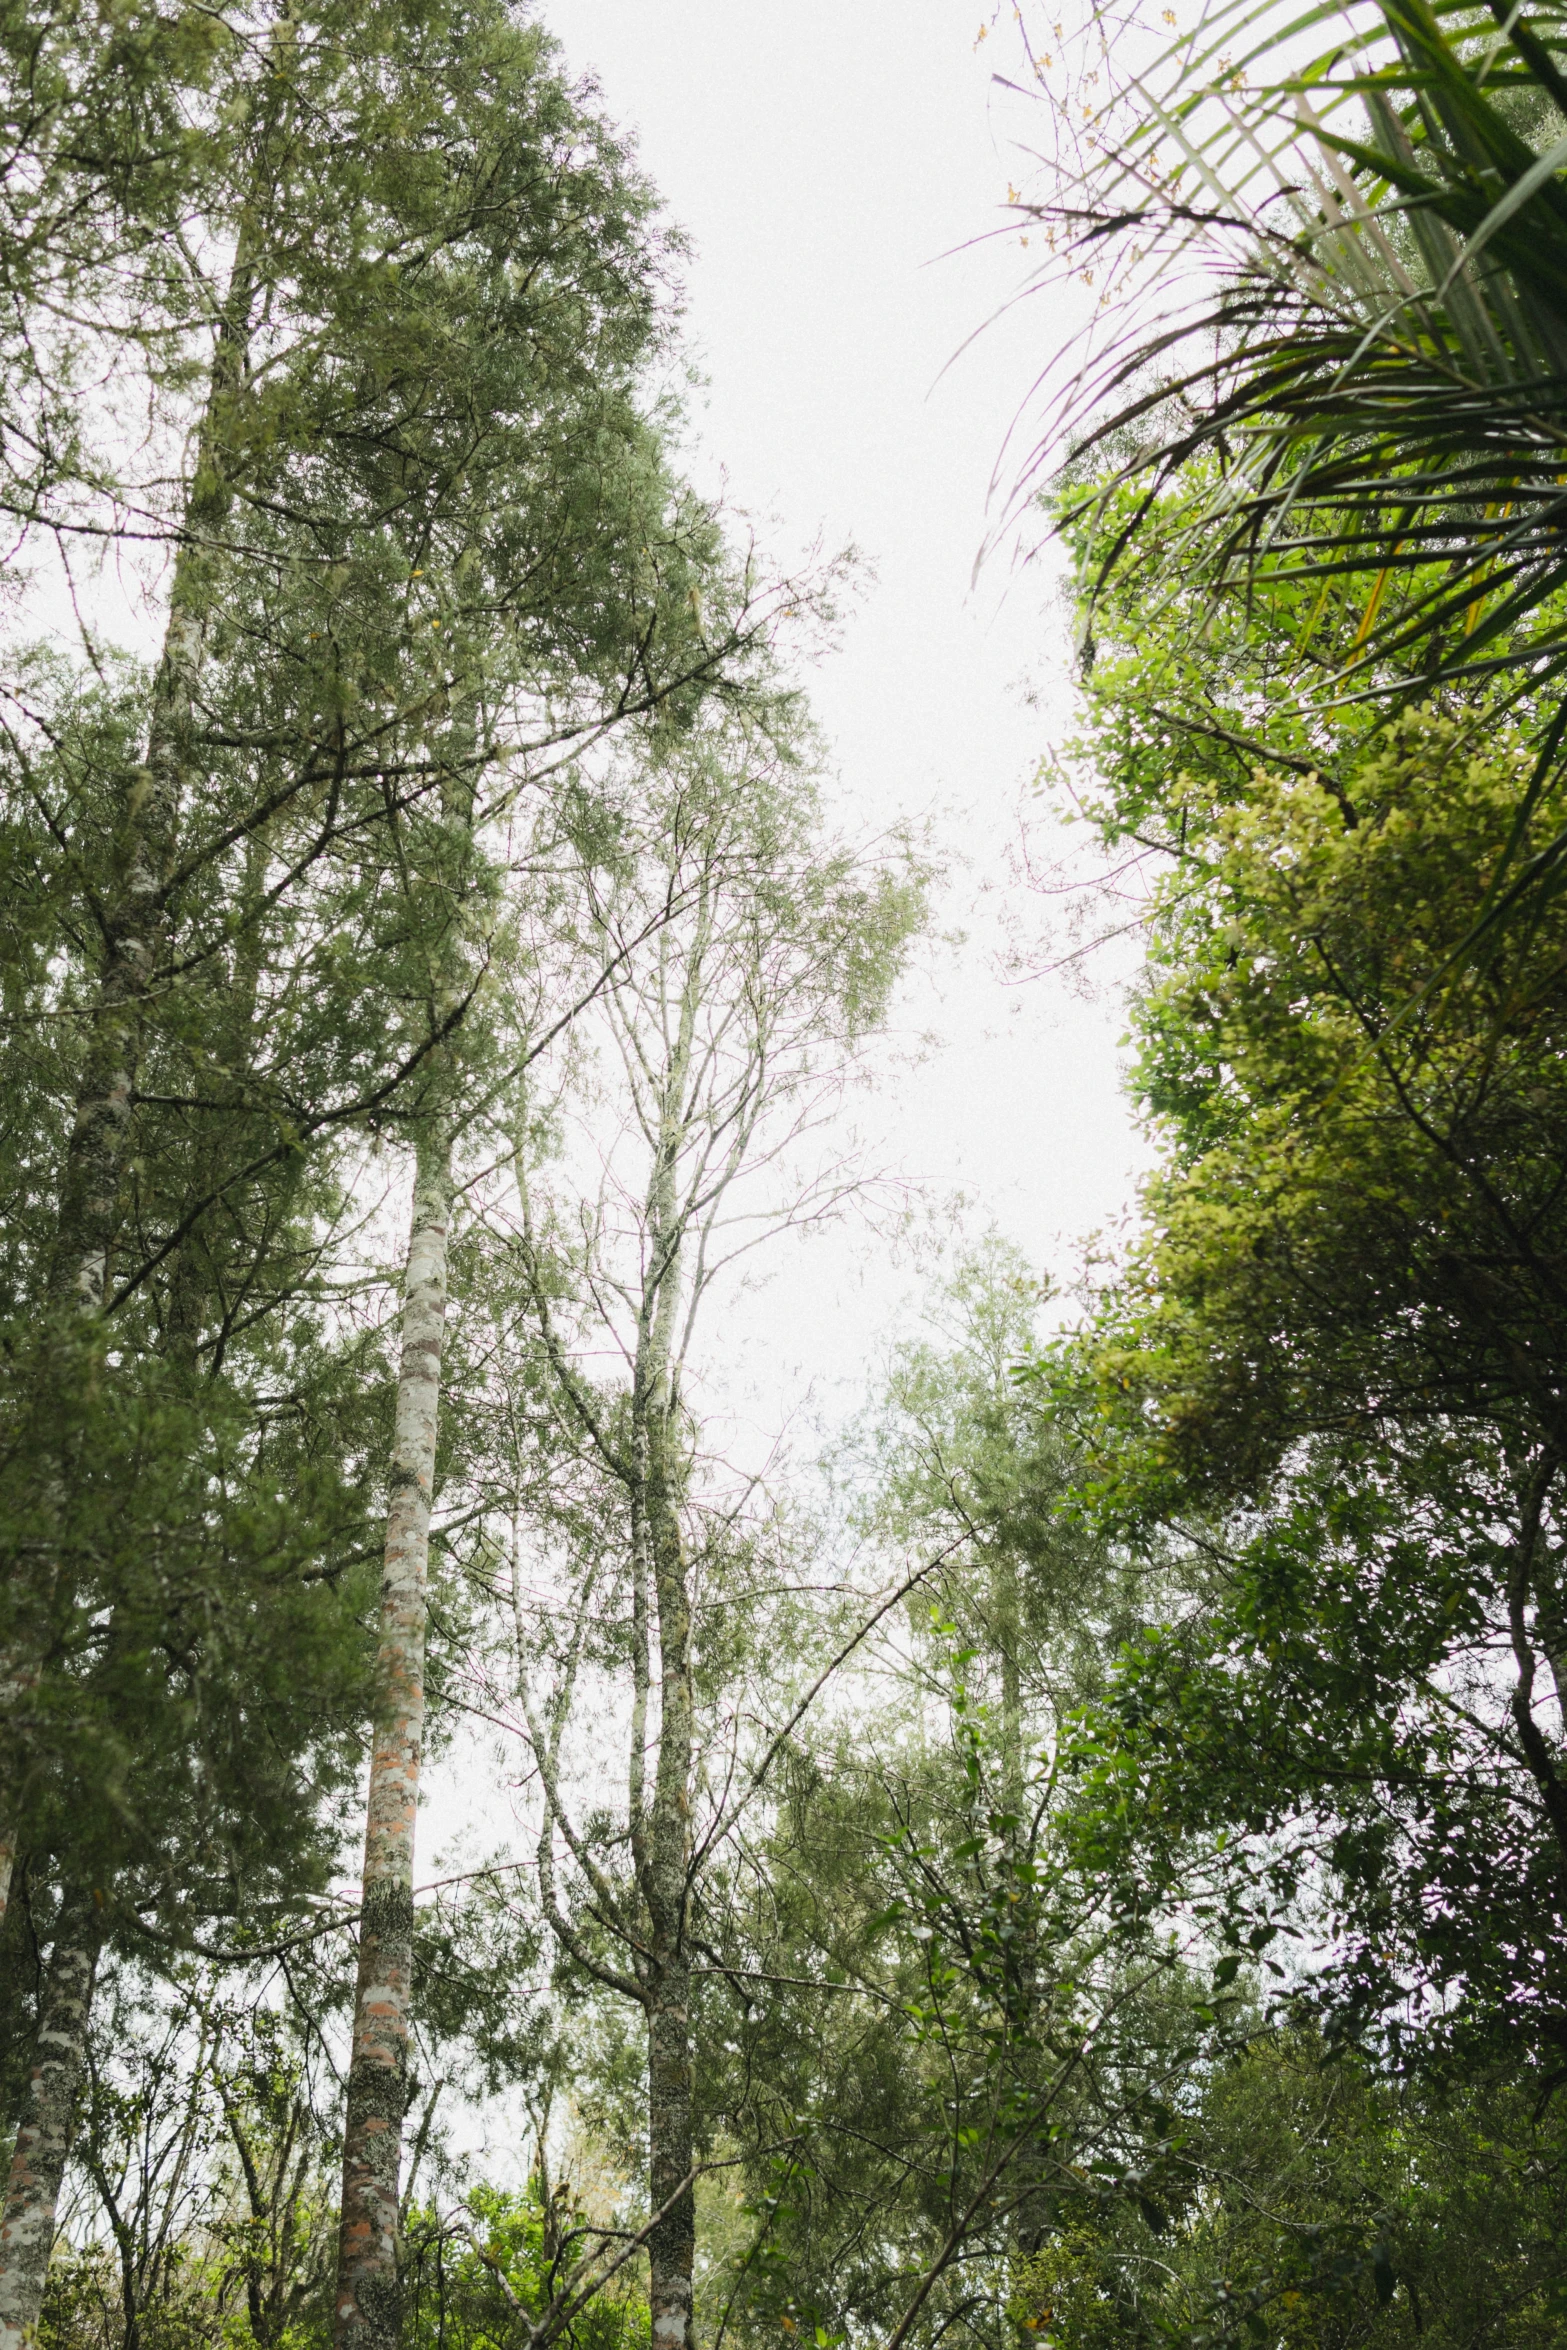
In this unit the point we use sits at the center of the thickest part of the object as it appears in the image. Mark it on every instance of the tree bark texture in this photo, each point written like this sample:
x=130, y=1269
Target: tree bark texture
x=672, y=2245
x=44, y=2139
x=655, y=1518
x=366, y=2308
x=18, y=1680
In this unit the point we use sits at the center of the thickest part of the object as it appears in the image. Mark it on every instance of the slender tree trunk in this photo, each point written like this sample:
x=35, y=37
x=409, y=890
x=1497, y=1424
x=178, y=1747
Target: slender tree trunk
x=655, y=1517
x=672, y=2245
x=44, y=2138
x=367, y=2298
x=1008, y=1632
x=641, y=1670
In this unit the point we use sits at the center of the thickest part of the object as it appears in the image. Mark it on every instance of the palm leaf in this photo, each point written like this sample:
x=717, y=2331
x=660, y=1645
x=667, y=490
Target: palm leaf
x=1349, y=285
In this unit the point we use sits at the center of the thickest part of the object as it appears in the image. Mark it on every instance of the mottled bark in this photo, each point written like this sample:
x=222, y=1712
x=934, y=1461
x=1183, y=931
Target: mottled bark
x=366, y=2307
x=672, y=2244
x=43, y=2140
x=18, y=1680
x=641, y=1655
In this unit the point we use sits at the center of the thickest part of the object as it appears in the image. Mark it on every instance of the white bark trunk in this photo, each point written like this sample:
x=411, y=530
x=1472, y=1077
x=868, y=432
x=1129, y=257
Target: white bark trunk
x=44, y=2139
x=366, y=2306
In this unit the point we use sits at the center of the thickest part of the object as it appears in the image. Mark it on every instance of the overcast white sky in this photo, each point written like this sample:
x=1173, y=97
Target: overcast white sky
x=823, y=158
x=831, y=160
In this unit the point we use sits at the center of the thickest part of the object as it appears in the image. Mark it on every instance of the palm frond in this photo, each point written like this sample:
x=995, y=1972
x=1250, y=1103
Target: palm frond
x=1333, y=242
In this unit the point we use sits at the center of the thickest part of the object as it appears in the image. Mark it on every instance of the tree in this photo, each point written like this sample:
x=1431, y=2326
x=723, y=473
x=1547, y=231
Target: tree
x=1313, y=2201
x=423, y=528
x=750, y=960
x=959, y=1460
x=937, y=2022
x=404, y=346
x=1334, y=270
x=1329, y=1360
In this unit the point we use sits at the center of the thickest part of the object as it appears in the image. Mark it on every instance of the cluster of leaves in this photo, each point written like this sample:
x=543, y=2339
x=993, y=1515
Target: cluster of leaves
x=1311, y=2202
x=481, y=2275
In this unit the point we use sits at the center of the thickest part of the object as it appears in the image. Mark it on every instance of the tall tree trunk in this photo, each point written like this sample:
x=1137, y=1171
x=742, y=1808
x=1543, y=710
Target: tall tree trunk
x=44, y=2138
x=18, y=1687
x=672, y=2245
x=94, y=1159
x=134, y=929
x=366, y=2307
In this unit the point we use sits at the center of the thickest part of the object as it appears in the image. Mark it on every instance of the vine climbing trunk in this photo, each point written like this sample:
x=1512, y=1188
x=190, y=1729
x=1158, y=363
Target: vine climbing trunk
x=367, y=2301
x=43, y=2140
